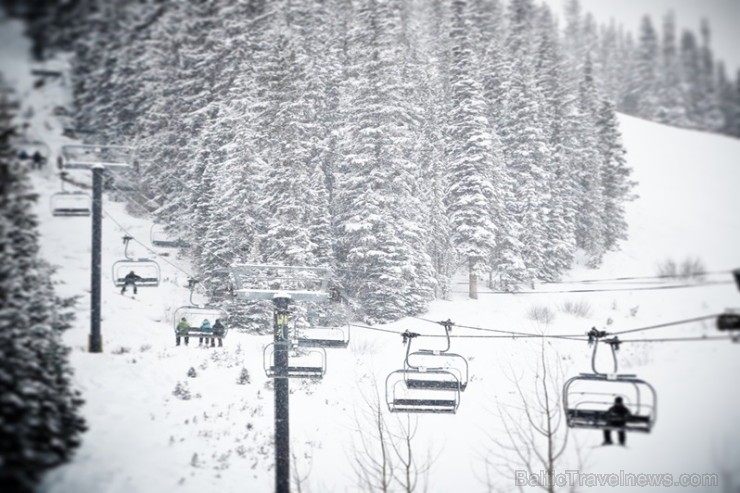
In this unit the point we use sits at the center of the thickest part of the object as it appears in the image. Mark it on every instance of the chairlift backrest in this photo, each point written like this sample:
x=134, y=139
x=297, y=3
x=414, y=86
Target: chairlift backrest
x=266, y=281
x=87, y=156
x=322, y=336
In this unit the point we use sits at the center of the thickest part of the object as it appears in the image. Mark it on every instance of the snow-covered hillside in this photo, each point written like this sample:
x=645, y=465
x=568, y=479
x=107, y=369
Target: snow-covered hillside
x=143, y=438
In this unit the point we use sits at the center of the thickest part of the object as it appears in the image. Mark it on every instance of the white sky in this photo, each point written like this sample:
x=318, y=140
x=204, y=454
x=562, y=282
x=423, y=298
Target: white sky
x=723, y=15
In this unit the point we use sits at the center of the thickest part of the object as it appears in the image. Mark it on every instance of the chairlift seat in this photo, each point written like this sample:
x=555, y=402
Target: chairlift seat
x=728, y=321
x=431, y=406
x=602, y=420
x=434, y=384
x=144, y=281
x=327, y=343
x=298, y=372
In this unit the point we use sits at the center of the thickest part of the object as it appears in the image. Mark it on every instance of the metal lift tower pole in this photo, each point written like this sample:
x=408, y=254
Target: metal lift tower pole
x=96, y=341
x=282, y=396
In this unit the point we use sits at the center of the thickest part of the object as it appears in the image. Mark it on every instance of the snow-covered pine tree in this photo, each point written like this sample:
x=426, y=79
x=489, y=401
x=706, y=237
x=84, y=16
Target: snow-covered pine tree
x=380, y=246
x=646, y=80
x=672, y=103
x=526, y=146
x=40, y=425
x=471, y=197
x=559, y=223
x=615, y=176
x=590, y=211
x=692, y=77
x=709, y=109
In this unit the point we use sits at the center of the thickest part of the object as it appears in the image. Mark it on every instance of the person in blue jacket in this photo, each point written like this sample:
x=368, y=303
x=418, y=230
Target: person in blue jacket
x=205, y=327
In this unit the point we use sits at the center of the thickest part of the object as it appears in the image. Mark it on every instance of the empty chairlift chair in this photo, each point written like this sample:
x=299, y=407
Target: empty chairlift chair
x=323, y=336
x=588, y=397
x=86, y=156
x=302, y=362
x=160, y=238
x=147, y=269
x=430, y=382
x=70, y=203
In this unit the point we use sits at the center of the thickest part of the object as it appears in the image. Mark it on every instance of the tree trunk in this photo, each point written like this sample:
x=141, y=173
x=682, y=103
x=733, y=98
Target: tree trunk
x=473, y=282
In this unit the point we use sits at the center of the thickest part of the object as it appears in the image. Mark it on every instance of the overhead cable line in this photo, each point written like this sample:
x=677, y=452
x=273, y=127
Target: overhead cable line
x=666, y=324
x=499, y=331
x=650, y=288
x=639, y=278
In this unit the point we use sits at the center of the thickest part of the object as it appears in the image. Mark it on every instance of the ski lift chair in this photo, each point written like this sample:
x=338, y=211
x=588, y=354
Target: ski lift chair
x=30, y=147
x=195, y=315
x=401, y=398
x=587, y=399
x=87, y=156
x=145, y=268
x=159, y=238
x=588, y=396
x=71, y=204
x=74, y=203
x=302, y=363
x=322, y=336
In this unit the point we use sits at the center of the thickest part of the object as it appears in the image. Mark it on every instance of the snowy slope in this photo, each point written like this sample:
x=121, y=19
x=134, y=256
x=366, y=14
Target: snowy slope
x=144, y=439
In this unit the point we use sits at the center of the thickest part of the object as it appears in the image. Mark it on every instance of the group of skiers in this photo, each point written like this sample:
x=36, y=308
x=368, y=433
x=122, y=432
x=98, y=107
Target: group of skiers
x=217, y=330
x=37, y=159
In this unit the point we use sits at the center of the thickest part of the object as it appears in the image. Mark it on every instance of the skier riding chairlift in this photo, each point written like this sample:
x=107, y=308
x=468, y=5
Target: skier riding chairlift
x=130, y=279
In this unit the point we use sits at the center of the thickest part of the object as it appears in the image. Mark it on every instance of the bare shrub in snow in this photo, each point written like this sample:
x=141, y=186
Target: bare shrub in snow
x=668, y=268
x=690, y=268
x=192, y=373
x=580, y=308
x=541, y=314
x=121, y=350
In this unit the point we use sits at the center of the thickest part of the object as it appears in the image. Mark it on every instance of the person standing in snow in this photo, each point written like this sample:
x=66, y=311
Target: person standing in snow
x=130, y=280
x=617, y=417
x=182, y=330
x=205, y=327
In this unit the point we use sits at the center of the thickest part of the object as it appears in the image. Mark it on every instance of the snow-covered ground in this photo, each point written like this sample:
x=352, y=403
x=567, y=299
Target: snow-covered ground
x=143, y=438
